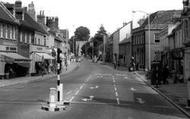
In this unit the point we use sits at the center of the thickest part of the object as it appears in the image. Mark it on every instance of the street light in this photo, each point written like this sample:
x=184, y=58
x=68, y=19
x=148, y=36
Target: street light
x=149, y=43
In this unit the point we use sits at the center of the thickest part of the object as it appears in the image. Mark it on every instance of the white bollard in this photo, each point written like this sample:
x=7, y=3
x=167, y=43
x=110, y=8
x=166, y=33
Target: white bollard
x=52, y=97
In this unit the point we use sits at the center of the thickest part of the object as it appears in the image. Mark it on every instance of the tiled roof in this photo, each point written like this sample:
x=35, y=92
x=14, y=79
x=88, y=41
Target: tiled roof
x=161, y=18
x=5, y=15
x=29, y=22
x=126, y=40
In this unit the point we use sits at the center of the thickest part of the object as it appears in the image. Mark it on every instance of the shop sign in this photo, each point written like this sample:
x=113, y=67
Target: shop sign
x=8, y=48
x=38, y=49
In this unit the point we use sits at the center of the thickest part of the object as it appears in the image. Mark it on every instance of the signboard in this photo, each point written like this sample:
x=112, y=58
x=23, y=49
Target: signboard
x=35, y=48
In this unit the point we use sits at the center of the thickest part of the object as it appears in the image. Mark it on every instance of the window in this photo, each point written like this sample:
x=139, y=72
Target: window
x=11, y=35
x=156, y=38
x=44, y=40
x=30, y=39
x=35, y=40
x=39, y=41
x=25, y=41
x=1, y=31
x=23, y=37
x=6, y=31
x=20, y=36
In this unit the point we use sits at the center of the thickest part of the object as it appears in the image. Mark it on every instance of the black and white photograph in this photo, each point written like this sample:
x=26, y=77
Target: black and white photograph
x=94, y=59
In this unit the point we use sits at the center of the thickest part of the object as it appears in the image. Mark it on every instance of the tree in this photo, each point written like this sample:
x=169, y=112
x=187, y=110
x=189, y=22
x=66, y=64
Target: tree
x=72, y=44
x=98, y=39
x=82, y=33
x=86, y=48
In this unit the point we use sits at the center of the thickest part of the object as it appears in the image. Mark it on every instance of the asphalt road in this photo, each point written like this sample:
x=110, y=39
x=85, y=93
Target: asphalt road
x=96, y=92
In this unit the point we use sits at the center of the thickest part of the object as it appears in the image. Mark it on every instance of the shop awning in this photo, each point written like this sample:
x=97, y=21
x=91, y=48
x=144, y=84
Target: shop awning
x=45, y=55
x=14, y=57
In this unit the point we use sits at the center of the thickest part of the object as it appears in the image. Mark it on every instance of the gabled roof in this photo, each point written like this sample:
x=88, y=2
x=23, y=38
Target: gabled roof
x=160, y=19
x=5, y=15
x=30, y=23
x=126, y=40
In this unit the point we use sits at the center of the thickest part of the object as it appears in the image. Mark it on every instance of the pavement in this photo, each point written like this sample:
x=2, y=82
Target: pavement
x=27, y=79
x=176, y=93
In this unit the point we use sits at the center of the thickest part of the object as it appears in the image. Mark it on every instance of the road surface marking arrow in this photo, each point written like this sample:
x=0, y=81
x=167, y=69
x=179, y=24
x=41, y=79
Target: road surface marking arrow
x=133, y=89
x=85, y=99
x=118, y=101
x=140, y=100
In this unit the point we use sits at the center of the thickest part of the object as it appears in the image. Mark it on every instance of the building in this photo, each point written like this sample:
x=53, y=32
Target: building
x=125, y=52
x=31, y=10
x=11, y=62
x=186, y=39
x=140, y=37
x=32, y=38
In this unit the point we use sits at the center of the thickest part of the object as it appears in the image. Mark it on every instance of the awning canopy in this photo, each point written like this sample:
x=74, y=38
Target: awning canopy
x=14, y=57
x=45, y=55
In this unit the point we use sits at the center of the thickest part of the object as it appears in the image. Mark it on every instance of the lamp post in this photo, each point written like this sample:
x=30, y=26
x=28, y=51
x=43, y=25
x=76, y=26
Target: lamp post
x=149, y=43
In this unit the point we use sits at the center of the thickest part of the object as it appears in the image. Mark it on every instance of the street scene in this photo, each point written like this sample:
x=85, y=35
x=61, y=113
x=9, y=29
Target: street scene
x=87, y=64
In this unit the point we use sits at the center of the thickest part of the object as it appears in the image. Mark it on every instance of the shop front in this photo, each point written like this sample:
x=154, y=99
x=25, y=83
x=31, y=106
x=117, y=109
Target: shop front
x=10, y=62
x=177, y=56
x=41, y=60
x=187, y=63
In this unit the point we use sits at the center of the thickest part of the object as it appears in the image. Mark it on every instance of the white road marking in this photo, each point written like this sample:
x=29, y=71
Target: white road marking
x=133, y=89
x=91, y=97
x=97, y=87
x=81, y=87
x=118, y=101
x=116, y=94
x=115, y=88
x=140, y=100
x=126, y=77
x=77, y=92
x=85, y=99
x=71, y=99
x=69, y=92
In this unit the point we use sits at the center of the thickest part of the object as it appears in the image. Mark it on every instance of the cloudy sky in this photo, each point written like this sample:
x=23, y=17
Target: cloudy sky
x=93, y=13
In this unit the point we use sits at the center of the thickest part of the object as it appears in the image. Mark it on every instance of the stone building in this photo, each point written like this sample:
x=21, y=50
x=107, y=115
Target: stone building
x=140, y=37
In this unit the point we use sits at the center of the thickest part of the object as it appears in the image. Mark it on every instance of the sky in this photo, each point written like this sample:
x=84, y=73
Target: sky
x=94, y=13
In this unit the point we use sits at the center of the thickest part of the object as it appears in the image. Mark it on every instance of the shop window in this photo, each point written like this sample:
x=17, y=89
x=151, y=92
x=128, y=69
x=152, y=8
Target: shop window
x=11, y=32
x=1, y=31
x=20, y=36
x=6, y=32
x=156, y=38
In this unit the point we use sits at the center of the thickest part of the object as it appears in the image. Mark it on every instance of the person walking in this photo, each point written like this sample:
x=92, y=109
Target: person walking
x=165, y=75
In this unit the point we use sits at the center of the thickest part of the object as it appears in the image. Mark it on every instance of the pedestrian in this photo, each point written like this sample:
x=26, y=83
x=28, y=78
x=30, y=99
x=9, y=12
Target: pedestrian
x=165, y=74
x=66, y=63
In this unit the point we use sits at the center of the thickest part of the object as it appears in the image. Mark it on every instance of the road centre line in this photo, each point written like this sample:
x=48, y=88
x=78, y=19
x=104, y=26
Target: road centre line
x=118, y=102
x=116, y=94
x=77, y=92
x=71, y=99
x=115, y=88
x=69, y=92
x=81, y=87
